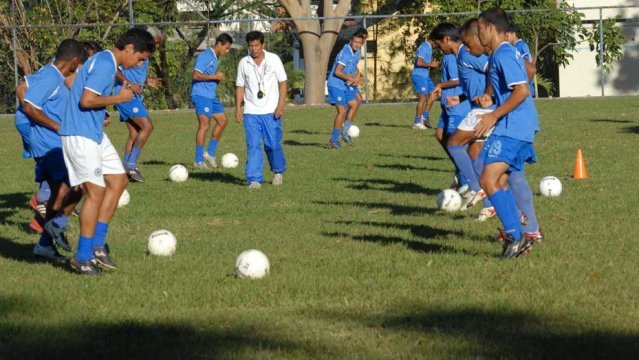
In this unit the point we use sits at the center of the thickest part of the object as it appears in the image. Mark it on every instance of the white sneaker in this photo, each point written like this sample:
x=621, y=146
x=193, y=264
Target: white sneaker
x=419, y=126
x=254, y=185
x=486, y=213
x=472, y=198
x=48, y=252
x=210, y=159
x=278, y=179
x=200, y=165
x=462, y=189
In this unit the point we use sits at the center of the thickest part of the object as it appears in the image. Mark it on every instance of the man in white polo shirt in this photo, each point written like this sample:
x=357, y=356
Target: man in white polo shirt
x=261, y=84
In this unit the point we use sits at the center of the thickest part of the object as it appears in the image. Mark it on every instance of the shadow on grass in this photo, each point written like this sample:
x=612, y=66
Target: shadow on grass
x=386, y=125
x=303, y=132
x=155, y=162
x=418, y=157
x=17, y=252
x=423, y=231
x=393, y=208
x=217, y=177
x=632, y=129
x=14, y=200
x=299, y=143
x=8, y=205
x=409, y=167
x=614, y=121
x=388, y=185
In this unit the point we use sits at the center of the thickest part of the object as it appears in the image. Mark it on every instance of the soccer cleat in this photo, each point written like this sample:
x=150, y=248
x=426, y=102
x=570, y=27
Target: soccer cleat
x=334, y=144
x=36, y=224
x=455, y=183
x=463, y=189
x=419, y=126
x=535, y=236
x=472, y=198
x=427, y=123
x=347, y=139
x=86, y=268
x=523, y=219
x=38, y=207
x=210, y=160
x=254, y=185
x=58, y=234
x=101, y=255
x=278, y=179
x=200, y=165
x=486, y=213
x=134, y=174
x=512, y=248
x=48, y=252
x=75, y=212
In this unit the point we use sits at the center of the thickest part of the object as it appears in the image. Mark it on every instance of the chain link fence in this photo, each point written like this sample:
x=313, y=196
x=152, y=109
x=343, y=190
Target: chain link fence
x=564, y=69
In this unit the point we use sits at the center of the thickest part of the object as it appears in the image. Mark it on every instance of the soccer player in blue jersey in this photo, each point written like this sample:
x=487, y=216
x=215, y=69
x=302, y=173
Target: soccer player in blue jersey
x=515, y=123
x=91, y=160
x=342, y=77
x=422, y=84
x=134, y=113
x=524, y=50
x=44, y=105
x=204, y=98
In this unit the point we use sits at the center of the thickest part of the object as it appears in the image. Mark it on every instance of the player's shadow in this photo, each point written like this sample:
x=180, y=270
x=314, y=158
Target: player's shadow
x=217, y=176
x=612, y=121
x=423, y=231
x=14, y=200
x=303, y=132
x=388, y=185
x=8, y=205
x=155, y=162
x=394, y=209
x=632, y=129
x=417, y=157
x=377, y=124
x=408, y=167
x=16, y=251
x=303, y=144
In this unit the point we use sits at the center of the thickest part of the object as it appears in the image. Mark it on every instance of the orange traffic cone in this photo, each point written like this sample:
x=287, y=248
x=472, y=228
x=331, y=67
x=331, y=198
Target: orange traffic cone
x=580, y=167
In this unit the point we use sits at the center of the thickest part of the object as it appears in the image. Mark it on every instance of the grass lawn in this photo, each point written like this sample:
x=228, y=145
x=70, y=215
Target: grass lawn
x=363, y=266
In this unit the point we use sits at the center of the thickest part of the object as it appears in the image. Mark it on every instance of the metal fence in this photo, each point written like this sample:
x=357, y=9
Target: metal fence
x=386, y=62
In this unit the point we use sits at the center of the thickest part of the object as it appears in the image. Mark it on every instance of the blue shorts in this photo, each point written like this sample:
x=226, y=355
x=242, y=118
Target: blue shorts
x=51, y=167
x=131, y=109
x=515, y=153
x=422, y=84
x=449, y=122
x=207, y=106
x=25, y=133
x=354, y=89
x=340, y=96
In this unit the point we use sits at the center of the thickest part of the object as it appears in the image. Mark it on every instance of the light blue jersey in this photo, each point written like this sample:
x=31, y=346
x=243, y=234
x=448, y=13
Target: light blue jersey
x=507, y=69
x=349, y=59
x=206, y=63
x=48, y=93
x=449, y=73
x=524, y=50
x=98, y=76
x=135, y=75
x=472, y=73
x=424, y=51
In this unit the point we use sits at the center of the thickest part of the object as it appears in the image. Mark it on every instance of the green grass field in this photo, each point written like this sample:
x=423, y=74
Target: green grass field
x=363, y=266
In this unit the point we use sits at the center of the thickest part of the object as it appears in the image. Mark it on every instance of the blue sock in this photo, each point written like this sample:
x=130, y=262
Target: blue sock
x=132, y=161
x=335, y=136
x=199, y=153
x=418, y=119
x=100, y=234
x=478, y=165
x=212, y=147
x=126, y=157
x=45, y=239
x=61, y=221
x=85, y=249
x=347, y=125
x=524, y=198
x=465, y=165
x=462, y=178
x=504, y=204
x=44, y=193
x=425, y=115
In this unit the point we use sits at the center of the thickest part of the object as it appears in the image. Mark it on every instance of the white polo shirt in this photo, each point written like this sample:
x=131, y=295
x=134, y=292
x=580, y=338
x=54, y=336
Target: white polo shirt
x=265, y=77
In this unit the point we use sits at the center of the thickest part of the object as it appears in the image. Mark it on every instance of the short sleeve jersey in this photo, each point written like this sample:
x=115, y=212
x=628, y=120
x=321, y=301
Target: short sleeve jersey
x=21, y=118
x=506, y=69
x=265, y=77
x=523, y=49
x=48, y=93
x=424, y=51
x=349, y=59
x=472, y=73
x=206, y=63
x=449, y=73
x=135, y=75
x=98, y=76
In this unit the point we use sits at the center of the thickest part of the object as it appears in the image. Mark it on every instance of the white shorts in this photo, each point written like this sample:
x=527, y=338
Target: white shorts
x=471, y=120
x=88, y=161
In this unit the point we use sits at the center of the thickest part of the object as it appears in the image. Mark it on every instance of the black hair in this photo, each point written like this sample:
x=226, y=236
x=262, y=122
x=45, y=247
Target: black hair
x=445, y=29
x=361, y=33
x=141, y=40
x=255, y=35
x=224, y=39
x=512, y=29
x=70, y=48
x=470, y=27
x=92, y=45
x=497, y=17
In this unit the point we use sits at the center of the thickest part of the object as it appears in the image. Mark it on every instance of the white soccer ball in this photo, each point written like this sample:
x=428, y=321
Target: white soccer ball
x=353, y=131
x=125, y=198
x=178, y=173
x=230, y=160
x=161, y=243
x=252, y=264
x=550, y=186
x=449, y=200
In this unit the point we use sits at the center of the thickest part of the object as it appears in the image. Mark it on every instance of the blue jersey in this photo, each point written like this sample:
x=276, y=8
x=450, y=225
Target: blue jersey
x=524, y=51
x=424, y=51
x=349, y=59
x=98, y=76
x=206, y=63
x=449, y=73
x=48, y=93
x=135, y=75
x=506, y=70
x=472, y=73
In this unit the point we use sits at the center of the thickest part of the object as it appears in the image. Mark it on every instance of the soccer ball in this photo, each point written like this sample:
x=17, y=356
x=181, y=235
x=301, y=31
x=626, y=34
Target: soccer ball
x=178, y=173
x=449, y=200
x=161, y=243
x=230, y=160
x=125, y=198
x=353, y=131
x=252, y=264
x=550, y=186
